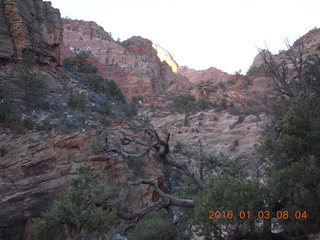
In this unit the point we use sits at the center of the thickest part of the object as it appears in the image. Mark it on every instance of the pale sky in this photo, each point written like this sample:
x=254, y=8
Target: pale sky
x=202, y=33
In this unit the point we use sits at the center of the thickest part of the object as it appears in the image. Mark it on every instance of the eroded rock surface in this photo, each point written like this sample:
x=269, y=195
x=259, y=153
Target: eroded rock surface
x=30, y=25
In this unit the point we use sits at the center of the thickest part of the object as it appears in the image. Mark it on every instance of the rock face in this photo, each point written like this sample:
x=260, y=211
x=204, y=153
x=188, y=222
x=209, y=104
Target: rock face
x=164, y=55
x=133, y=63
x=30, y=25
x=211, y=74
x=35, y=168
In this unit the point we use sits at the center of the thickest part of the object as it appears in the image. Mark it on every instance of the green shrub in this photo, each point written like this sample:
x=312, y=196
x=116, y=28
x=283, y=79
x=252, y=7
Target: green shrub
x=235, y=111
x=232, y=81
x=226, y=193
x=114, y=92
x=3, y=151
x=293, y=158
x=222, y=85
x=186, y=121
x=33, y=85
x=105, y=121
x=79, y=63
x=29, y=123
x=248, y=81
x=84, y=210
x=78, y=100
x=235, y=144
x=9, y=110
x=44, y=125
x=136, y=165
x=223, y=105
x=95, y=83
x=98, y=146
x=183, y=103
x=155, y=225
x=203, y=104
x=36, y=90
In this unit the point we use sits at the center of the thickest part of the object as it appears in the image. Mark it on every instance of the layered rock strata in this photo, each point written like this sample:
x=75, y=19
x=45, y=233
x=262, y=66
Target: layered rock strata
x=30, y=25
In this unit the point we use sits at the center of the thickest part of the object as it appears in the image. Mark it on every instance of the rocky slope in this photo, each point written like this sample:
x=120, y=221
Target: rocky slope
x=30, y=25
x=133, y=64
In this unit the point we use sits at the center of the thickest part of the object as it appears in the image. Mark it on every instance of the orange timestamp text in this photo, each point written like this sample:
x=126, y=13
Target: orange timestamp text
x=216, y=215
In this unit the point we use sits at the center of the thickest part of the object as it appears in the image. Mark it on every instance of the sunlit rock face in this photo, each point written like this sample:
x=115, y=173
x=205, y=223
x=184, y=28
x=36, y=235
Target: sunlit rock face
x=30, y=25
x=164, y=55
x=134, y=64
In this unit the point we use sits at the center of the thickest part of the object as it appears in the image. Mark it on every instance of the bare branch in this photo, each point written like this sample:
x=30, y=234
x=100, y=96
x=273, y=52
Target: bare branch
x=126, y=155
x=174, y=201
x=183, y=166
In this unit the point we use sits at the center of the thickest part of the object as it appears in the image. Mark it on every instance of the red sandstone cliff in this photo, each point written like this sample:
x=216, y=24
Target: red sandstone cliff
x=133, y=63
x=30, y=25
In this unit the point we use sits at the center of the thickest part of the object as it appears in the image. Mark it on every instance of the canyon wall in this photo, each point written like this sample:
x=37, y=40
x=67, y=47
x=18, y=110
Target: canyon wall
x=30, y=25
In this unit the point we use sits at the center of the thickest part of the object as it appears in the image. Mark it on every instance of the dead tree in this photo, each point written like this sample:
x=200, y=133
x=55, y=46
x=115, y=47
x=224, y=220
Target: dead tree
x=153, y=142
x=292, y=70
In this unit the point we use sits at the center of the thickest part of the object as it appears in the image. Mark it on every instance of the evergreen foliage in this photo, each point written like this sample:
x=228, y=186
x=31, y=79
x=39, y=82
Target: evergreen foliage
x=114, y=92
x=294, y=164
x=78, y=100
x=155, y=226
x=187, y=103
x=34, y=85
x=84, y=211
x=79, y=63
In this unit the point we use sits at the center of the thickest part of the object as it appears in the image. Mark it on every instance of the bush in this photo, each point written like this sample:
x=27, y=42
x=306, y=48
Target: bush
x=227, y=193
x=203, y=104
x=3, y=151
x=232, y=81
x=36, y=90
x=136, y=165
x=223, y=105
x=9, y=110
x=186, y=121
x=78, y=100
x=98, y=146
x=248, y=81
x=114, y=92
x=183, y=103
x=235, y=111
x=45, y=125
x=79, y=63
x=155, y=225
x=235, y=144
x=293, y=158
x=95, y=83
x=83, y=211
x=222, y=85
x=28, y=123
x=35, y=86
